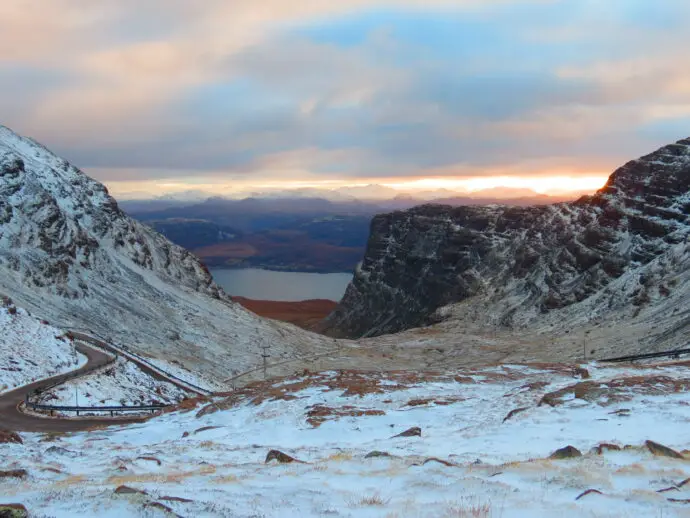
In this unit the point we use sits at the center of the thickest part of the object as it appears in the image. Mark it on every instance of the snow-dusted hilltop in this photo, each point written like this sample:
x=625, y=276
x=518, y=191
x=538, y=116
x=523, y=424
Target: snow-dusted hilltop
x=69, y=254
x=623, y=250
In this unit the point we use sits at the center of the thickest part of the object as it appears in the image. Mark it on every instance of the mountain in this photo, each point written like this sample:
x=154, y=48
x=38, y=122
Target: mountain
x=283, y=232
x=621, y=255
x=69, y=254
x=368, y=192
x=504, y=193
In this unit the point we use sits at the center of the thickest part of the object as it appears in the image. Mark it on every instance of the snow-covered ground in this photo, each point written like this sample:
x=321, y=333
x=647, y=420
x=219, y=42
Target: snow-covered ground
x=198, y=379
x=122, y=384
x=213, y=465
x=30, y=350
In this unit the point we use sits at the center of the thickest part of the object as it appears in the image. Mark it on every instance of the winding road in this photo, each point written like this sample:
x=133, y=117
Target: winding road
x=11, y=418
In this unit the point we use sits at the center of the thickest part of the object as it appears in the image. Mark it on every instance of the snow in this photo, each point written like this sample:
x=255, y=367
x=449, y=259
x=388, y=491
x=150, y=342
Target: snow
x=123, y=384
x=197, y=379
x=31, y=351
x=498, y=467
x=70, y=255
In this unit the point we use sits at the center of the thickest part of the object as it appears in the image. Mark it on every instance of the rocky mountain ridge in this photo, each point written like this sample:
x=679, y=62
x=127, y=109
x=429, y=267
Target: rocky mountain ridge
x=522, y=264
x=69, y=254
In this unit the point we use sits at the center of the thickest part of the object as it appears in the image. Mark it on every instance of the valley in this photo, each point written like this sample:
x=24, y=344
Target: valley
x=468, y=352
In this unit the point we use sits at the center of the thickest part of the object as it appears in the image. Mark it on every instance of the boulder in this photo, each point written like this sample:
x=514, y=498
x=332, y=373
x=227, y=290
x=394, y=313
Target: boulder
x=13, y=511
x=282, y=458
x=415, y=431
x=376, y=453
x=588, y=492
x=569, y=452
x=126, y=490
x=515, y=412
x=662, y=451
x=14, y=473
x=605, y=446
x=8, y=437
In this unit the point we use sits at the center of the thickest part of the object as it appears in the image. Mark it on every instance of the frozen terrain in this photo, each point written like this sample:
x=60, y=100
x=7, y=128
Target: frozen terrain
x=31, y=350
x=122, y=384
x=70, y=255
x=468, y=462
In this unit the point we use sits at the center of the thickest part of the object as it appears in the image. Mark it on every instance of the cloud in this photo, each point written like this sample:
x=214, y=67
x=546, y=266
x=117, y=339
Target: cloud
x=366, y=88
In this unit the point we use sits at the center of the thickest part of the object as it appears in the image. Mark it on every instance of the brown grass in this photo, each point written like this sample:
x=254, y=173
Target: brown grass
x=226, y=250
x=373, y=500
x=306, y=313
x=617, y=390
x=468, y=510
x=318, y=414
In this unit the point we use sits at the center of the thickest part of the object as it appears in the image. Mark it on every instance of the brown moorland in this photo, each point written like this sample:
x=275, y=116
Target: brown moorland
x=305, y=314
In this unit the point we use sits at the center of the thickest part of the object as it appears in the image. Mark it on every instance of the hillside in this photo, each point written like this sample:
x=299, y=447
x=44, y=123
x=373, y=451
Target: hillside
x=70, y=255
x=490, y=442
x=31, y=349
x=618, y=258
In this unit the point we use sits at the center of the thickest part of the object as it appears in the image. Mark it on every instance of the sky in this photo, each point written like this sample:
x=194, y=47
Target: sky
x=156, y=96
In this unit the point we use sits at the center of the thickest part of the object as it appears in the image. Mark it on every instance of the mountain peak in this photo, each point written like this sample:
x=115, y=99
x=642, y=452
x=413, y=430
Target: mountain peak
x=614, y=250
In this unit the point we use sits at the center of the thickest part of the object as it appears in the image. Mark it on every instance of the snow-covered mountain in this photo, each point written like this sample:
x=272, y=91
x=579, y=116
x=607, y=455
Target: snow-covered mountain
x=69, y=254
x=625, y=250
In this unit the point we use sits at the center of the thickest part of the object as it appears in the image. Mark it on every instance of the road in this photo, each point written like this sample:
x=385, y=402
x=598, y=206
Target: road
x=12, y=419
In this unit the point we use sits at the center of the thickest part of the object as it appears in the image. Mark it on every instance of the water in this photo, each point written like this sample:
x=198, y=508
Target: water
x=292, y=286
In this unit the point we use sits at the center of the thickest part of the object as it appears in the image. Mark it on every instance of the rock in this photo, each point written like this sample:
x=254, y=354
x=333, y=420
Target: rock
x=7, y=437
x=376, y=453
x=662, y=451
x=421, y=260
x=581, y=372
x=205, y=428
x=126, y=490
x=162, y=507
x=515, y=412
x=57, y=450
x=683, y=483
x=569, y=452
x=14, y=473
x=13, y=511
x=440, y=461
x=415, y=431
x=281, y=457
x=175, y=499
x=186, y=434
x=588, y=492
x=605, y=446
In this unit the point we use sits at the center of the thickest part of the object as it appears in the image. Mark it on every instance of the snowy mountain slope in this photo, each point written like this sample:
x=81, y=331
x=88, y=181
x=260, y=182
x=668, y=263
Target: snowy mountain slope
x=520, y=264
x=31, y=350
x=213, y=465
x=69, y=254
x=122, y=384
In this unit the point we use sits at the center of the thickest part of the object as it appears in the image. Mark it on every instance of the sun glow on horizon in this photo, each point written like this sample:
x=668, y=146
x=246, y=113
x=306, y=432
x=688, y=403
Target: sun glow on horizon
x=540, y=184
x=558, y=184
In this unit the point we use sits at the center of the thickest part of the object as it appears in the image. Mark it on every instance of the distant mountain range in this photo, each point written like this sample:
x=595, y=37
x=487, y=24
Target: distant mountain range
x=308, y=230
x=372, y=193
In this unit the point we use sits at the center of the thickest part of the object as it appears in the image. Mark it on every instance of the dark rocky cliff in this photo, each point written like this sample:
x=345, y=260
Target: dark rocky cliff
x=524, y=261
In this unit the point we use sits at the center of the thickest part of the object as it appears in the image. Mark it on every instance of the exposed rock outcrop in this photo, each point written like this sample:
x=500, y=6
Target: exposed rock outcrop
x=520, y=263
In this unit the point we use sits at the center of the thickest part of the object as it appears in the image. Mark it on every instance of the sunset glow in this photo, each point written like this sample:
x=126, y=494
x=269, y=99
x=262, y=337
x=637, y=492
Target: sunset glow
x=242, y=96
x=541, y=184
